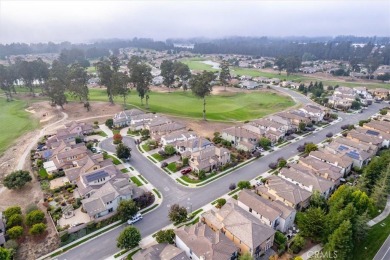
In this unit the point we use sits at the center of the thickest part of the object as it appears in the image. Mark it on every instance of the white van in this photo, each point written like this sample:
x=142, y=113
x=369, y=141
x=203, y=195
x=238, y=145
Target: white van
x=134, y=219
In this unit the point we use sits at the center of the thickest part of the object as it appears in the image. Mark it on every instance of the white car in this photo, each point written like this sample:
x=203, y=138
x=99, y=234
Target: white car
x=134, y=219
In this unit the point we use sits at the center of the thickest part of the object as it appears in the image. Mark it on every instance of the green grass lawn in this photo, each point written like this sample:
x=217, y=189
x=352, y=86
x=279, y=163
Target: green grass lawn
x=224, y=107
x=374, y=240
x=258, y=73
x=197, y=64
x=145, y=147
x=14, y=122
x=124, y=170
x=114, y=159
x=136, y=181
x=172, y=166
x=43, y=173
x=158, y=157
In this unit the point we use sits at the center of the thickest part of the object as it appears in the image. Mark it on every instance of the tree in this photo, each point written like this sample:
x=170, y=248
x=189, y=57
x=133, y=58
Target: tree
x=5, y=254
x=78, y=79
x=264, y=142
x=311, y=223
x=14, y=220
x=127, y=209
x=201, y=87
x=145, y=133
x=317, y=200
x=371, y=173
x=383, y=112
x=15, y=232
x=12, y=211
x=310, y=147
x=7, y=78
x=168, y=73
x=109, y=123
x=182, y=71
x=220, y=203
x=129, y=238
x=329, y=135
x=281, y=163
x=165, y=236
x=298, y=243
x=340, y=242
x=117, y=138
x=123, y=151
x=57, y=84
x=381, y=188
x=246, y=256
x=105, y=74
x=224, y=75
x=355, y=105
x=37, y=229
x=120, y=83
x=244, y=185
x=169, y=150
x=17, y=179
x=301, y=126
x=141, y=77
x=177, y=214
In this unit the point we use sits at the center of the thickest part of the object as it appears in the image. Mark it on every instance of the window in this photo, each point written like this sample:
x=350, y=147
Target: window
x=250, y=210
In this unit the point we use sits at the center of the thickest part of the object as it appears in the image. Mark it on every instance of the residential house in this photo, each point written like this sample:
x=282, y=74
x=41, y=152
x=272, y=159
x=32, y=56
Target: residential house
x=79, y=128
x=2, y=229
x=161, y=251
x=343, y=102
x=323, y=169
x=105, y=199
x=307, y=180
x=247, y=84
x=200, y=242
x=344, y=91
x=139, y=122
x=84, y=165
x=382, y=70
x=247, y=232
x=158, y=121
x=368, y=139
x=210, y=158
x=361, y=91
x=314, y=112
x=156, y=132
x=294, y=118
x=123, y=118
x=241, y=137
x=375, y=125
x=185, y=148
x=287, y=125
x=267, y=125
x=272, y=213
x=276, y=188
x=341, y=161
x=177, y=137
x=380, y=93
x=385, y=137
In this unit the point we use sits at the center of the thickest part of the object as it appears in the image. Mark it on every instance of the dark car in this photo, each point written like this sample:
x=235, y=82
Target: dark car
x=185, y=171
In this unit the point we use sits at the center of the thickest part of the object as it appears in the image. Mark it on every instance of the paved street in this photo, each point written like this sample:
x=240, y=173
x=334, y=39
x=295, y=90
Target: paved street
x=105, y=245
x=384, y=251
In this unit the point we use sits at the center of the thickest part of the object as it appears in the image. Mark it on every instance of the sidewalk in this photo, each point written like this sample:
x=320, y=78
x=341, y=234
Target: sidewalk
x=381, y=216
x=106, y=130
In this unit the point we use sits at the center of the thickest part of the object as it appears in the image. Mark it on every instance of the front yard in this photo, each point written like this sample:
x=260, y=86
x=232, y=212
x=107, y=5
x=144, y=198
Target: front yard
x=158, y=157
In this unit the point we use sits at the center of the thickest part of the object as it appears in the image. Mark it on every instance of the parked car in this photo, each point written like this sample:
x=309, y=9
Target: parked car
x=185, y=171
x=260, y=149
x=134, y=219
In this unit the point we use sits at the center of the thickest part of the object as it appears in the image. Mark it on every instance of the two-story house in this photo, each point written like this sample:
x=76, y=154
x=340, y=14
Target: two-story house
x=209, y=159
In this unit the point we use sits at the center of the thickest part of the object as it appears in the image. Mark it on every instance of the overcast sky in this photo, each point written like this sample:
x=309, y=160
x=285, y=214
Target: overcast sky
x=83, y=21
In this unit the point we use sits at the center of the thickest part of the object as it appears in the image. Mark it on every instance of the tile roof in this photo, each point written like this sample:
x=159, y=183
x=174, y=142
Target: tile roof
x=205, y=243
x=161, y=251
x=259, y=204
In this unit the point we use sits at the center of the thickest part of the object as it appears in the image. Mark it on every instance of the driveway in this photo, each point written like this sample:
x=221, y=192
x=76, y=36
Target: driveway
x=195, y=197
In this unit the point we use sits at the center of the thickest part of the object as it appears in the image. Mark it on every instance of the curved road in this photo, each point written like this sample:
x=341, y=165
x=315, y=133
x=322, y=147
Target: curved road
x=197, y=197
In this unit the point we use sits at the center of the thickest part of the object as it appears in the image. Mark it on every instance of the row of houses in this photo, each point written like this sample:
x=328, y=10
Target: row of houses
x=203, y=154
x=100, y=185
x=343, y=97
x=274, y=127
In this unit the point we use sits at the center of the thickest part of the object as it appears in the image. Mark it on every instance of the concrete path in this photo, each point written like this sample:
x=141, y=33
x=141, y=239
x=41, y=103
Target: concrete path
x=311, y=251
x=107, y=130
x=382, y=216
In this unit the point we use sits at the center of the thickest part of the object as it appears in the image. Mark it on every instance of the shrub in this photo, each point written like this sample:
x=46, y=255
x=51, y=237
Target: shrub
x=297, y=244
x=35, y=217
x=185, y=161
x=15, y=232
x=383, y=112
x=37, y=229
x=282, y=163
x=165, y=236
x=95, y=122
x=169, y=150
x=177, y=214
x=310, y=147
x=117, y=138
x=17, y=179
x=244, y=185
x=11, y=244
x=109, y=123
x=14, y=220
x=11, y=211
x=164, y=164
x=220, y=203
